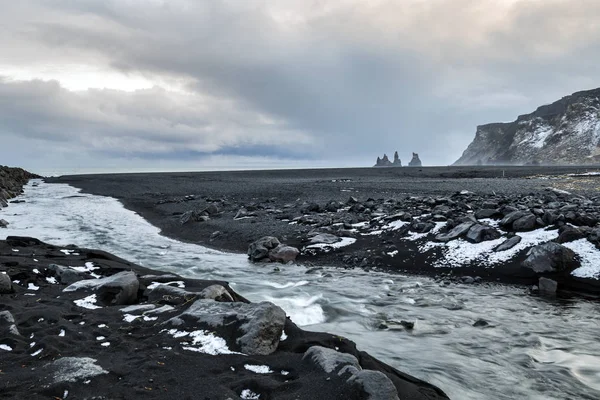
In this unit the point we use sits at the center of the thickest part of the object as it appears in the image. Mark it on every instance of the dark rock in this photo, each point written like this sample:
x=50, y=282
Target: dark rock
x=118, y=289
x=547, y=286
x=455, y=233
x=212, y=209
x=421, y=227
x=5, y=284
x=72, y=369
x=7, y=324
x=3, y=223
x=479, y=233
x=569, y=233
x=508, y=243
x=510, y=218
x=480, y=323
x=551, y=257
x=259, y=249
x=467, y=279
x=486, y=213
x=215, y=234
x=525, y=223
x=375, y=385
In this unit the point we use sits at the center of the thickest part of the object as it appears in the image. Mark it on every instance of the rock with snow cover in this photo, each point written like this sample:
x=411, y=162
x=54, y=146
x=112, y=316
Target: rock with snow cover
x=118, y=289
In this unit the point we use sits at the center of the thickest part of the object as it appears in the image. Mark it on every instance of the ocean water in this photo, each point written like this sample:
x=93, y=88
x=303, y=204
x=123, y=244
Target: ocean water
x=534, y=348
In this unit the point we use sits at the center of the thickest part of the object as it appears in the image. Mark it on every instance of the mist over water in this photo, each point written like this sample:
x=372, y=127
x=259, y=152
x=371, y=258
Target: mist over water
x=534, y=348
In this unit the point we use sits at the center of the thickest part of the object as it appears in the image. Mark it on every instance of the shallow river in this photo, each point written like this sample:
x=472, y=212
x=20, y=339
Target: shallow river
x=534, y=348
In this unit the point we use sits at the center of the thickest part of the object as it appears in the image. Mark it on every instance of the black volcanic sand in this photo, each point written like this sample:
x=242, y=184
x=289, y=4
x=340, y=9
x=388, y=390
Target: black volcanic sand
x=271, y=199
x=59, y=339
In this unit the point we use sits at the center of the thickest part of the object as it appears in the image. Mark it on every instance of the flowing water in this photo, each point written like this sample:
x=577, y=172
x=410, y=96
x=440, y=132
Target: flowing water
x=534, y=348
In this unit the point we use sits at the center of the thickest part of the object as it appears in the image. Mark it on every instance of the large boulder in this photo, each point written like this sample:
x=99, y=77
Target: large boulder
x=375, y=385
x=324, y=238
x=254, y=329
x=551, y=258
x=118, y=289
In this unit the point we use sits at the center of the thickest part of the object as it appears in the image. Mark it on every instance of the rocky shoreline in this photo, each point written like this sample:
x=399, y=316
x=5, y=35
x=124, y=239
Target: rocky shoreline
x=12, y=181
x=539, y=223
x=81, y=323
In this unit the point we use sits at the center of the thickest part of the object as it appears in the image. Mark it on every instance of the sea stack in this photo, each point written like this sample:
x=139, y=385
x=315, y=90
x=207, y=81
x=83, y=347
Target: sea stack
x=385, y=161
x=415, y=162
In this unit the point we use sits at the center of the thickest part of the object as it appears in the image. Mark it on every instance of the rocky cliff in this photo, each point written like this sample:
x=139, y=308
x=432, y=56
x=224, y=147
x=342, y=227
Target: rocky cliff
x=564, y=132
x=11, y=183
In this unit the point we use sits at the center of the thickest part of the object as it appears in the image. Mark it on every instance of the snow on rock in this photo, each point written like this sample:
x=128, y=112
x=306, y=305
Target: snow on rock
x=72, y=369
x=248, y=394
x=203, y=342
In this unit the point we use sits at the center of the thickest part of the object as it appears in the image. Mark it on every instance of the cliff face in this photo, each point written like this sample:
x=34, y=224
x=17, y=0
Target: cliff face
x=11, y=182
x=564, y=132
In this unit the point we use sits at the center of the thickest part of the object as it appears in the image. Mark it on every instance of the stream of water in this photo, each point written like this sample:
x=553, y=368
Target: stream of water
x=534, y=348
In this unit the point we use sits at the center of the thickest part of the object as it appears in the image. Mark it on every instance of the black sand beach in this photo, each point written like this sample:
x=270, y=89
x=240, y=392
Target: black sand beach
x=265, y=202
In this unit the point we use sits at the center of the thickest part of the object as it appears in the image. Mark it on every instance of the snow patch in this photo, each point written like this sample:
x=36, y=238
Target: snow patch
x=248, y=394
x=203, y=342
x=87, y=302
x=259, y=369
x=590, y=258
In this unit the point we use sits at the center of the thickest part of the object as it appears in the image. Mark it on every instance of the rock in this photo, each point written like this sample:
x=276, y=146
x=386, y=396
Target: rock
x=3, y=223
x=421, y=227
x=7, y=324
x=383, y=162
x=486, y=213
x=551, y=257
x=525, y=223
x=455, y=233
x=254, y=328
x=118, y=289
x=324, y=238
x=212, y=209
x=480, y=322
x=415, y=161
x=5, y=284
x=479, y=233
x=547, y=286
x=167, y=294
x=397, y=162
x=217, y=293
x=215, y=234
x=73, y=369
x=375, y=384
x=259, y=249
x=187, y=217
x=66, y=275
x=283, y=253
x=510, y=218
x=467, y=279
x=508, y=243
x=569, y=233
x=330, y=360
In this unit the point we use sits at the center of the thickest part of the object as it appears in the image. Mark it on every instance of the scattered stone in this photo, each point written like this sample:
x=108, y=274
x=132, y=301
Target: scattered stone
x=324, y=238
x=508, y=243
x=569, y=233
x=259, y=249
x=455, y=233
x=525, y=223
x=330, y=360
x=479, y=233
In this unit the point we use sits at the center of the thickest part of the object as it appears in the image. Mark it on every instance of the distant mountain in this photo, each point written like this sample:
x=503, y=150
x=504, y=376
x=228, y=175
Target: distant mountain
x=564, y=132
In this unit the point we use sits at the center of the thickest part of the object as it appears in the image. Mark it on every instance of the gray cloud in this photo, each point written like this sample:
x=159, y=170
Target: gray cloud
x=340, y=80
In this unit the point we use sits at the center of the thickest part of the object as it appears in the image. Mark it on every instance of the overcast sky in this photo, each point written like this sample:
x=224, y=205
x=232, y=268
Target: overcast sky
x=234, y=84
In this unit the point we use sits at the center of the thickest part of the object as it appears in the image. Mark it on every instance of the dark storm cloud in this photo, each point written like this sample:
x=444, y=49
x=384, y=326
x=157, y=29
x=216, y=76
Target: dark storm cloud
x=335, y=79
